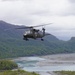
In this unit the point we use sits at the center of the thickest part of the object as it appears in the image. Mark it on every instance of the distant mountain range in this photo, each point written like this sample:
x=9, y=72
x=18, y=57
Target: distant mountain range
x=13, y=45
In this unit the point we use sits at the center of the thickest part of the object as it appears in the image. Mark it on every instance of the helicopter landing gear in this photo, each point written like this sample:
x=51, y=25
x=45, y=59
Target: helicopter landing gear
x=25, y=39
x=42, y=39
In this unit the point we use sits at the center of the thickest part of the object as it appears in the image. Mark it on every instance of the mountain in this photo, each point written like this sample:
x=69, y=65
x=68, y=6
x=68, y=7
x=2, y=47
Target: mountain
x=8, y=30
x=13, y=45
x=72, y=39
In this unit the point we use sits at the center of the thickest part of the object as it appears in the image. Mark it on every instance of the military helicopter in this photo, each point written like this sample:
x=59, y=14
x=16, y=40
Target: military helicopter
x=34, y=33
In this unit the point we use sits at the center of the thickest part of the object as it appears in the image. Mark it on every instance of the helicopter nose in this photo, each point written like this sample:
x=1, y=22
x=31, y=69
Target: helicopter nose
x=24, y=34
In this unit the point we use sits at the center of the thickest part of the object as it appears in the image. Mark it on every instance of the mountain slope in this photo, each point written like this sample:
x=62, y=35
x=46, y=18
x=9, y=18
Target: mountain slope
x=13, y=45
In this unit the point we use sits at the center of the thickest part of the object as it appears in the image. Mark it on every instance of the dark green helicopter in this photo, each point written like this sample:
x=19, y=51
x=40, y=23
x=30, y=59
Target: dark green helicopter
x=34, y=33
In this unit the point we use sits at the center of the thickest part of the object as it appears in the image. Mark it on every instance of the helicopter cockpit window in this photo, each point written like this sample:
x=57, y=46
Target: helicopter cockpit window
x=27, y=32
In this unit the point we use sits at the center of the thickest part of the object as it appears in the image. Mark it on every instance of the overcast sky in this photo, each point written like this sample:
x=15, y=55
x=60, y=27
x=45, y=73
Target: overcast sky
x=33, y=12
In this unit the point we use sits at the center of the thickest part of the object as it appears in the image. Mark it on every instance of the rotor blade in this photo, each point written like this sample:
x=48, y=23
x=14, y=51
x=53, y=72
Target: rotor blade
x=42, y=25
x=23, y=28
x=33, y=26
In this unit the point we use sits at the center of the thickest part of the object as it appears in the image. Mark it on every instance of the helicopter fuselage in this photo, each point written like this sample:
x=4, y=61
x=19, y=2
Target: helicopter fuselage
x=34, y=34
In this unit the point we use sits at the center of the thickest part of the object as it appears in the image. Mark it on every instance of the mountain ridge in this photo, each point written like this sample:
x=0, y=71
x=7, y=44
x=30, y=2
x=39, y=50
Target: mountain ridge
x=13, y=45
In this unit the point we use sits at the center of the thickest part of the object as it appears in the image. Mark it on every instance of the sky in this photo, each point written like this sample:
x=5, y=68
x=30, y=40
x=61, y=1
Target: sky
x=61, y=13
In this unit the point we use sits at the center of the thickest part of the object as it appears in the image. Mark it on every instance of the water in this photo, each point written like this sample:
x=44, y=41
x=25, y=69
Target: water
x=30, y=65
x=50, y=68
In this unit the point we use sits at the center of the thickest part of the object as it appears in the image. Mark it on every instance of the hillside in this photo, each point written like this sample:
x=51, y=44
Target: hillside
x=13, y=45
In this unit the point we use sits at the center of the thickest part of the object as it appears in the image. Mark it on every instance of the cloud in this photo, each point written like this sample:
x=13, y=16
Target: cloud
x=12, y=0
x=32, y=12
x=71, y=8
x=72, y=1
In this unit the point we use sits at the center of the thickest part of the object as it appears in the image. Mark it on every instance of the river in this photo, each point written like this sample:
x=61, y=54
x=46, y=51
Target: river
x=47, y=65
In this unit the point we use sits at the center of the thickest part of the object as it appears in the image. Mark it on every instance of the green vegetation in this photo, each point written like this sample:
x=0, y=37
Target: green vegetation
x=7, y=65
x=12, y=44
x=17, y=72
x=10, y=48
x=65, y=72
x=15, y=47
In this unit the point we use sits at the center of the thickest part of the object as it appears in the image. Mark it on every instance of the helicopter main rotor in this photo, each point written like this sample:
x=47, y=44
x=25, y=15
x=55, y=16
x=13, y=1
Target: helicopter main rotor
x=31, y=27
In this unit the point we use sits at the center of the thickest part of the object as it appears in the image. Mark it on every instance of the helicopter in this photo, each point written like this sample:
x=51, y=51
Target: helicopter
x=34, y=33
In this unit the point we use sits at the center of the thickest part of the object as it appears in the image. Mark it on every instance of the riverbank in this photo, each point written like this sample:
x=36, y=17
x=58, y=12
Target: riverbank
x=57, y=59
x=45, y=65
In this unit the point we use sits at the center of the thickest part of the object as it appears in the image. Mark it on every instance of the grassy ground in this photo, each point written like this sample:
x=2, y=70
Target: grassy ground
x=65, y=73
x=17, y=72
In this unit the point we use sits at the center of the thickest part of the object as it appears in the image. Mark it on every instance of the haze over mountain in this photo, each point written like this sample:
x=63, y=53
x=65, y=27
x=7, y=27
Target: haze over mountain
x=13, y=45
